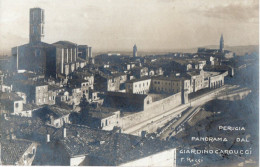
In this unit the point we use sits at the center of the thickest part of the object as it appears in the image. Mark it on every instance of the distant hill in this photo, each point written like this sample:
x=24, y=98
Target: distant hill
x=239, y=50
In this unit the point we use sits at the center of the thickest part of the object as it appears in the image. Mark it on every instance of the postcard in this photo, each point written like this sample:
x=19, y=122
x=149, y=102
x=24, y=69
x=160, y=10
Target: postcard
x=129, y=83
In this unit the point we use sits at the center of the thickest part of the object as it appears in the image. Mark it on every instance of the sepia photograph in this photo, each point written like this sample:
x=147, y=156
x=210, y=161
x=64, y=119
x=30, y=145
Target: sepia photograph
x=135, y=83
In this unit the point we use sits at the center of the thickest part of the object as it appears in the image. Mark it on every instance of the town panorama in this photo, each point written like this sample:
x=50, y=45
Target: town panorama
x=62, y=105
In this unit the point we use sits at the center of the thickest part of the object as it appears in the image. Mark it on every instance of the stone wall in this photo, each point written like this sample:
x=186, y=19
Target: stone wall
x=151, y=110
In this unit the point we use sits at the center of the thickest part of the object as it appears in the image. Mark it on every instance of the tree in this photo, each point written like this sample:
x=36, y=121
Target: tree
x=84, y=108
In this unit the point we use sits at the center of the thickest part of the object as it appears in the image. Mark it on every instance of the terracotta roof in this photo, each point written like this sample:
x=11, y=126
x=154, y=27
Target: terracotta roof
x=12, y=150
x=10, y=96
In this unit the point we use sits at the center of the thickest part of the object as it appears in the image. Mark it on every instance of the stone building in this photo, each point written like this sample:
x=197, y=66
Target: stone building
x=105, y=118
x=139, y=72
x=37, y=92
x=105, y=82
x=55, y=116
x=138, y=86
x=11, y=103
x=215, y=79
x=57, y=60
x=170, y=85
x=127, y=101
x=196, y=80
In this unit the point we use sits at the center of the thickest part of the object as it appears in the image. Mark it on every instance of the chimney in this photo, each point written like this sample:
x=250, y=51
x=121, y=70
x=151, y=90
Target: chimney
x=48, y=138
x=64, y=132
x=52, y=120
x=13, y=136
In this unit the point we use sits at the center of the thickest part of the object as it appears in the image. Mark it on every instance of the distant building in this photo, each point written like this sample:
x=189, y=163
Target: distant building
x=139, y=72
x=181, y=65
x=221, y=44
x=135, y=51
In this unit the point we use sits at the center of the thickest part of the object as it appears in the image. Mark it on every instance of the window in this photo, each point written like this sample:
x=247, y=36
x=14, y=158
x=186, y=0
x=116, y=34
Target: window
x=42, y=29
x=33, y=150
x=16, y=105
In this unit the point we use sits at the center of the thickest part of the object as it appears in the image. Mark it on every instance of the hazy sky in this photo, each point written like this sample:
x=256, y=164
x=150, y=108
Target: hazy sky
x=119, y=24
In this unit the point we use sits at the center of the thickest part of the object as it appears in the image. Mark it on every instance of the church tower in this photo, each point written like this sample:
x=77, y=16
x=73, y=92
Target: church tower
x=221, y=44
x=135, y=51
x=36, y=25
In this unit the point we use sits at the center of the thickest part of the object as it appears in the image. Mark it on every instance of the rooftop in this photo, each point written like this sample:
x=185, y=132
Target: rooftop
x=137, y=80
x=30, y=106
x=10, y=96
x=66, y=44
x=171, y=78
x=103, y=112
x=127, y=95
x=12, y=150
x=210, y=73
x=58, y=111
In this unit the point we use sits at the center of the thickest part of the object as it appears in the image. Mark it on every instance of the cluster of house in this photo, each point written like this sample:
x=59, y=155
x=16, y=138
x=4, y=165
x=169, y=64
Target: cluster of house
x=50, y=81
x=27, y=141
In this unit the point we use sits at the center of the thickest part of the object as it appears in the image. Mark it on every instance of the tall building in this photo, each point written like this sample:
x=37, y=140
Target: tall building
x=36, y=25
x=221, y=44
x=134, y=51
x=57, y=60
